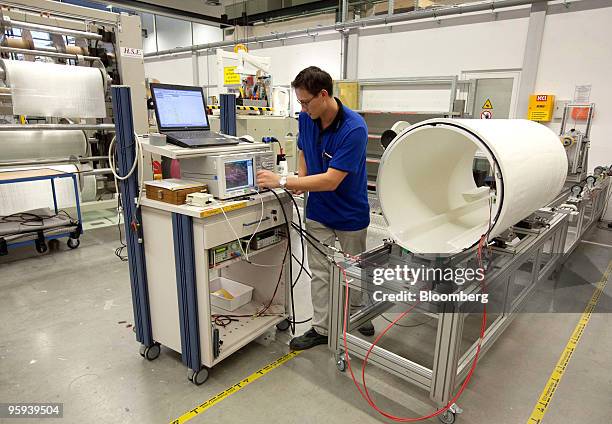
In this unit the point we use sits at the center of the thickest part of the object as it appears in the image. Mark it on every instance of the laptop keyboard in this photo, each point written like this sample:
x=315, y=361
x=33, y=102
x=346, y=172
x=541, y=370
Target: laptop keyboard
x=182, y=135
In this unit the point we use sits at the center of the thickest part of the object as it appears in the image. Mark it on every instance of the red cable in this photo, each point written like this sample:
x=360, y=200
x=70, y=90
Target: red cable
x=366, y=395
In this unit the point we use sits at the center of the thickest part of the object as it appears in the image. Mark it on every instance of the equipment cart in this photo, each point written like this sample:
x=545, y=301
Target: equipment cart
x=38, y=226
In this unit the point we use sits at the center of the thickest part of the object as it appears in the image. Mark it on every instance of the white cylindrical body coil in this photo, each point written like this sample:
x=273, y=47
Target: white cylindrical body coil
x=427, y=191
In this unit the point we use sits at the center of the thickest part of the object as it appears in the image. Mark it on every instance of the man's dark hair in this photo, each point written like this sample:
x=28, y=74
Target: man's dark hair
x=313, y=80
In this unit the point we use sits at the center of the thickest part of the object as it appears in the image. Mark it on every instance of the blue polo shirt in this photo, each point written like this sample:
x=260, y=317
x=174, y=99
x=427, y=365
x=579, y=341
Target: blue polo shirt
x=341, y=146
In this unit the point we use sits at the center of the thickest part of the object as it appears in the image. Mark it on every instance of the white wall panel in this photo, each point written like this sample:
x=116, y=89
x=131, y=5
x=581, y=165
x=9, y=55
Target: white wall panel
x=172, y=33
x=288, y=60
x=170, y=70
x=206, y=34
x=443, y=50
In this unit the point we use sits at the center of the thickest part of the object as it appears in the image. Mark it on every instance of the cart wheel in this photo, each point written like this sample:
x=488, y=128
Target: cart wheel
x=73, y=243
x=41, y=246
x=283, y=325
x=447, y=417
x=341, y=364
x=152, y=352
x=199, y=377
x=54, y=244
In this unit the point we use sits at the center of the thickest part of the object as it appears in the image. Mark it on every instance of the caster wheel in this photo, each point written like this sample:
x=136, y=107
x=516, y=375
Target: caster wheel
x=283, y=325
x=152, y=352
x=341, y=364
x=448, y=417
x=73, y=243
x=141, y=350
x=41, y=247
x=54, y=244
x=199, y=377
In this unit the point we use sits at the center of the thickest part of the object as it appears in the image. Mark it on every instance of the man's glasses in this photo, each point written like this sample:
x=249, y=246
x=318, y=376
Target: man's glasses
x=305, y=103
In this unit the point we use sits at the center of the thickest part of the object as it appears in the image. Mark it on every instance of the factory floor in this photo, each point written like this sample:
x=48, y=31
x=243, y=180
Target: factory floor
x=65, y=336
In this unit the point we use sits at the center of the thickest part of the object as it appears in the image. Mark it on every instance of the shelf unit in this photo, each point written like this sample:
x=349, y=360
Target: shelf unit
x=379, y=120
x=176, y=152
x=238, y=333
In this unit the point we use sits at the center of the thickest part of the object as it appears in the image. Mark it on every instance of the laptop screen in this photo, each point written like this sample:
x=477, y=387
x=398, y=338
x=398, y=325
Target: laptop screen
x=179, y=108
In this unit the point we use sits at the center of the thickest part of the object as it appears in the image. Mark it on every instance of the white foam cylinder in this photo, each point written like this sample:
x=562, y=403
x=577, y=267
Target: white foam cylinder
x=427, y=191
x=48, y=89
x=16, y=145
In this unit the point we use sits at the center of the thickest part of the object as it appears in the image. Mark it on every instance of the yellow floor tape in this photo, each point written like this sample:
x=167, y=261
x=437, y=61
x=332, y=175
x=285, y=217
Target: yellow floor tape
x=537, y=415
x=235, y=388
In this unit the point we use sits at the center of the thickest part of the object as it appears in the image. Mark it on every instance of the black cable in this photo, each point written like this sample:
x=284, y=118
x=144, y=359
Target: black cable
x=297, y=211
x=119, y=250
x=30, y=219
x=333, y=248
x=223, y=320
x=302, y=268
x=406, y=326
x=280, y=276
x=315, y=243
x=305, y=270
x=291, y=322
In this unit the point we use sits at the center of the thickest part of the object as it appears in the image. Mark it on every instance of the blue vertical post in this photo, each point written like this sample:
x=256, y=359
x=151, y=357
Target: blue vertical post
x=228, y=114
x=184, y=258
x=126, y=155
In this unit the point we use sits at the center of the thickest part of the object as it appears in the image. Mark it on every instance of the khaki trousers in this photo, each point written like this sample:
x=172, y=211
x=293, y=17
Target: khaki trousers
x=351, y=242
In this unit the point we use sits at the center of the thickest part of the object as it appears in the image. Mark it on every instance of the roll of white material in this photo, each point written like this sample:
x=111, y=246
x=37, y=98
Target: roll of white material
x=16, y=145
x=47, y=89
x=427, y=191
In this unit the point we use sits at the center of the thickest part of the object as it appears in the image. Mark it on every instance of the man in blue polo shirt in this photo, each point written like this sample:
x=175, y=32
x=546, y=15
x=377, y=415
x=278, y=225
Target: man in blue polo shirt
x=332, y=168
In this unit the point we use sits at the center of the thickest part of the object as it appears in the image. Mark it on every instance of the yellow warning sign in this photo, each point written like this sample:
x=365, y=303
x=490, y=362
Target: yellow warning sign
x=488, y=104
x=230, y=77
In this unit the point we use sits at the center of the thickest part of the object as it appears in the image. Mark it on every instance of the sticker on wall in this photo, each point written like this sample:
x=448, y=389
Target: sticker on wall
x=487, y=104
x=131, y=52
x=486, y=114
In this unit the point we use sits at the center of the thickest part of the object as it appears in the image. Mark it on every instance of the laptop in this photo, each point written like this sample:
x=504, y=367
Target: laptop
x=181, y=116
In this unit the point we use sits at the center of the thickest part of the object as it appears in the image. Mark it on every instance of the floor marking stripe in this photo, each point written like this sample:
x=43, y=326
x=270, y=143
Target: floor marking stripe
x=235, y=388
x=537, y=415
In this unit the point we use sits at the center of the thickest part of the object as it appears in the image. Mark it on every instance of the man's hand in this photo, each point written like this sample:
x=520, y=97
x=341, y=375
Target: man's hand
x=298, y=192
x=268, y=179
